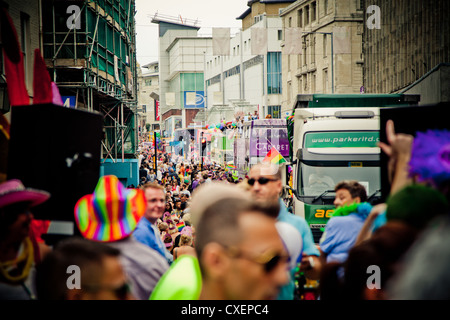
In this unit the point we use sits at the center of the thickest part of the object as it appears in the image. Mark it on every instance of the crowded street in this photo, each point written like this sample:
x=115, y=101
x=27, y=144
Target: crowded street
x=303, y=155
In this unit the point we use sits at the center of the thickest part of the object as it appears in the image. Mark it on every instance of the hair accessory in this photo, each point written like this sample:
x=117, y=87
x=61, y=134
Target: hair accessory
x=430, y=156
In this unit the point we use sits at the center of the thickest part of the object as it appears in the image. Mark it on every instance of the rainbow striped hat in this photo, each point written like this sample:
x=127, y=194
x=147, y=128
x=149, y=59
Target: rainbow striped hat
x=111, y=213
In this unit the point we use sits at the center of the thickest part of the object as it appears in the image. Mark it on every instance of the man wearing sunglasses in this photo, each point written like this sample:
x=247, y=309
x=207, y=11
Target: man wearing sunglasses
x=266, y=186
x=241, y=256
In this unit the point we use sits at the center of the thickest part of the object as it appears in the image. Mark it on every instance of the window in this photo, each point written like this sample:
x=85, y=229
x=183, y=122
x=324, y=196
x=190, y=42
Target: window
x=324, y=45
x=325, y=6
x=304, y=51
x=148, y=82
x=274, y=111
x=313, y=50
x=24, y=40
x=300, y=18
x=325, y=80
x=313, y=83
x=313, y=11
x=289, y=91
x=306, y=15
x=274, y=72
x=280, y=34
x=290, y=22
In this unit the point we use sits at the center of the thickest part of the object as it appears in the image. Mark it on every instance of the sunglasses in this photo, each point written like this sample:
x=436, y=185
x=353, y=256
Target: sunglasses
x=269, y=260
x=261, y=180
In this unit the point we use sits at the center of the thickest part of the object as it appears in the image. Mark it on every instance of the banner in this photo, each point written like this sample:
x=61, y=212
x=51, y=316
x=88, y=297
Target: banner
x=342, y=40
x=293, y=41
x=157, y=111
x=349, y=139
x=194, y=99
x=259, y=41
x=268, y=133
x=221, y=41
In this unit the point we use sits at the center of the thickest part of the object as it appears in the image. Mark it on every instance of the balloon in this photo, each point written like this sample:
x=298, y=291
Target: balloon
x=217, y=126
x=207, y=126
x=183, y=281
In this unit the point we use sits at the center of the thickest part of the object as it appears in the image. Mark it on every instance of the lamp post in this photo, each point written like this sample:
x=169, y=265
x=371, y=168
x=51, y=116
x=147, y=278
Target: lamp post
x=201, y=151
x=332, y=56
x=156, y=151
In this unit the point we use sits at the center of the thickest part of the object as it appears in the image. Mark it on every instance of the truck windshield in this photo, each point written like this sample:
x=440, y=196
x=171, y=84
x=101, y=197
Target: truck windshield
x=314, y=180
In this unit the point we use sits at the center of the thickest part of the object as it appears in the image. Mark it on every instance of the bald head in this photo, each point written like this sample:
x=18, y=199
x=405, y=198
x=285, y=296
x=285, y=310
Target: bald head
x=209, y=193
x=267, y=169
x=265, y=183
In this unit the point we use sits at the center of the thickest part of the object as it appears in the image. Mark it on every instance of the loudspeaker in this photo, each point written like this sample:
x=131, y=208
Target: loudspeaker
x=55, y=149
x=410, y=120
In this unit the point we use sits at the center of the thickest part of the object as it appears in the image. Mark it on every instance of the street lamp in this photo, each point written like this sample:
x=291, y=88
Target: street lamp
x=201, y=151
x=332, y=56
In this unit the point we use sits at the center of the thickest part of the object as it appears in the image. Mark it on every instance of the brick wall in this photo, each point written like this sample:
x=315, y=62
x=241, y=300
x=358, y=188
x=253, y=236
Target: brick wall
x=171, y=112
x=190, y=115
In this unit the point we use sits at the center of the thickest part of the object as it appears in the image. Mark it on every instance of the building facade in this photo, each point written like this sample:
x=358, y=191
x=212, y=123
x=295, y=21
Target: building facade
x=148, y=97
x=413, y=38
x=322, y=48
x=90, y=52
x=249, y=78
x=181, y=79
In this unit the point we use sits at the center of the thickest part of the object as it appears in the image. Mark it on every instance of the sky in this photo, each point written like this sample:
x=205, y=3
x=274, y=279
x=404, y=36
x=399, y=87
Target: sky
x=209, y=13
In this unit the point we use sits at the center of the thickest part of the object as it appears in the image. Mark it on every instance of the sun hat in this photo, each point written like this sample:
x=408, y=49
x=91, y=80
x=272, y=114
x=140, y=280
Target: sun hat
x=13, y=191
x=111, y=213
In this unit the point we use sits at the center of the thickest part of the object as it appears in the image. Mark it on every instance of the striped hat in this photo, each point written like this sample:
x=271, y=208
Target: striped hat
x=111, y=213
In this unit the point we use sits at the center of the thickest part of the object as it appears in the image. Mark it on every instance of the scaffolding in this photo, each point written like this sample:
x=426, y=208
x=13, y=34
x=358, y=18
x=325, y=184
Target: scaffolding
x=89, y=48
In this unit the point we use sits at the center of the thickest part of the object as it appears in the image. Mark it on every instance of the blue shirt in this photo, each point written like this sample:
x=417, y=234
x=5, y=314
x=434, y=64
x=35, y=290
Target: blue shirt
x=340, y=236
x=148, y=234
x=309, y=248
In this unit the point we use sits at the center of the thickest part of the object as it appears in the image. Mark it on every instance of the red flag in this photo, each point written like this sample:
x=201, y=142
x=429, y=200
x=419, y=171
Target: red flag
x=14, y=70
x=42, y=84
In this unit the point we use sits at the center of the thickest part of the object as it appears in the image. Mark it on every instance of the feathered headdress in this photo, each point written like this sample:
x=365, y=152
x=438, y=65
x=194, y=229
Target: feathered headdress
x=430, y=156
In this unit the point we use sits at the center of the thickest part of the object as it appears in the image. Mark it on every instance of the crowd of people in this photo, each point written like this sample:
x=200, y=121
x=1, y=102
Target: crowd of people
x=237, y=235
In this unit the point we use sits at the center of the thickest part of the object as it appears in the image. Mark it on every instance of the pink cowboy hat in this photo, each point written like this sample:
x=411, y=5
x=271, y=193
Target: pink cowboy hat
x=13, y=191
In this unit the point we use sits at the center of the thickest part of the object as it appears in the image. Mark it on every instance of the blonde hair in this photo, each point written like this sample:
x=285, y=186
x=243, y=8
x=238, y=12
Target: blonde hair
x=163, y=226
x=187, y=218
x=185, y=240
